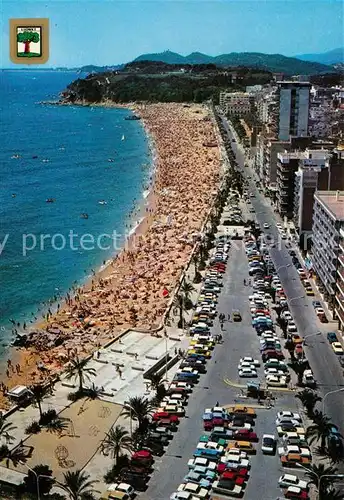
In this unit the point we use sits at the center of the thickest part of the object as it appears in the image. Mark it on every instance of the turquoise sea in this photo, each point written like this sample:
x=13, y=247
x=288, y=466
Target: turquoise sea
x=64, y=207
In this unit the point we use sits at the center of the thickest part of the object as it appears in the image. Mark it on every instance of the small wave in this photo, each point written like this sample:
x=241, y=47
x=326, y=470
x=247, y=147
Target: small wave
x=132, y=231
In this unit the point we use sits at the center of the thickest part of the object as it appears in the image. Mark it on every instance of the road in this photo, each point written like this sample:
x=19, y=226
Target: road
x=240, y=339
x=323, y=361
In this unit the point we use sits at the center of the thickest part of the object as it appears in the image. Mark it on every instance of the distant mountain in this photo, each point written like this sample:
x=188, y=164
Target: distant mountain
x=271, y=62
x=90, y=68
x=335, y=56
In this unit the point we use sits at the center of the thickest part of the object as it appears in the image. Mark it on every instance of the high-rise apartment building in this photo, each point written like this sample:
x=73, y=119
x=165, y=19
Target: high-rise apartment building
x=328, y=228
x=294, y=100
x=339, y=304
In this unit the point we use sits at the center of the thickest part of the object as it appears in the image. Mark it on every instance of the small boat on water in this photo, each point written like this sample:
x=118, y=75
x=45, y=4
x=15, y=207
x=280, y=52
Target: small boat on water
x=45, y=160
x=102, y=202
x=84, y=216
x=50, y=200
x=34, y=157
x=132, y=117
x=15, y=157
x=111, y=160
x=123, y=138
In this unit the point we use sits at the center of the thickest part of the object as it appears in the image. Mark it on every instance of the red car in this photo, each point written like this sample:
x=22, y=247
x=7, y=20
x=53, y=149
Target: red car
x=245, y=435
x=272, y=353
x=240, y=471
x=218, y=266
x=164, y=415
x=142, y=457
x=296, y=494
x=232, y=476
x=208, y=425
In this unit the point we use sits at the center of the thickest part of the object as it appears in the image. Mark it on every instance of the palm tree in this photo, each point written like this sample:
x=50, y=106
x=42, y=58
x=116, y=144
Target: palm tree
x=137, y=408
x=332, y=494
x=179, y=303
x=5, y=430
x=93, y=392
x=16, y=455
x=77, y=484
x=116, y=440
x=39, y=392
x=321, y=430
x=157, y=383
x=138, y=439
x=78, y=368
x=187, y=288
x=309, y=399
x=315, y=472
x=299, y=368
x=332, y=453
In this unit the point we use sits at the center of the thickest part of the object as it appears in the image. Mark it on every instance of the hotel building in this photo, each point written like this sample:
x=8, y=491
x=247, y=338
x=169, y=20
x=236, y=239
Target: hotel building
x=327, y=249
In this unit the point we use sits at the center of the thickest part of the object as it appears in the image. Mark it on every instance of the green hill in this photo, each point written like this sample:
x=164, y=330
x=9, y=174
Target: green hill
x=275, y=63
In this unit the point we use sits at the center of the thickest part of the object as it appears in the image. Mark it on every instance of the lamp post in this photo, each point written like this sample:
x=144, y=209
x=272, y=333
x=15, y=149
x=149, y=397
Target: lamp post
x=281, y=267
x=37, y=477
x=327, y=394
x=339, y=476
x=166, y=352
x=310, y=335
x=296, y=298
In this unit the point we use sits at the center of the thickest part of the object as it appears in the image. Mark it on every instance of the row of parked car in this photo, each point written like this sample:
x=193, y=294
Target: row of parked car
x=220, y=463
x=319, y=310
x=275, y=369
x=205, y=312
x=165, y=419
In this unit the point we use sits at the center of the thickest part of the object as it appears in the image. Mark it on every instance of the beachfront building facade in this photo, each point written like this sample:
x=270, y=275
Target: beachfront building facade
x=312, y=175
x=339, y=304
x=236, y=103
x=327, y=232
x=294, y=98
x=287, y=166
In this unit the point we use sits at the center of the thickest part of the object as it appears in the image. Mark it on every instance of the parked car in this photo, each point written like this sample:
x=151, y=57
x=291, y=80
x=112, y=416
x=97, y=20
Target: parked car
x=332, y=337
x=287, y=480
x=337, y=348
x=268, y=444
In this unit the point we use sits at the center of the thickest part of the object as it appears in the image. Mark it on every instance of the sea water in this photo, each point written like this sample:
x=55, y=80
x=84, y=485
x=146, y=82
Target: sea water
x=69, y=181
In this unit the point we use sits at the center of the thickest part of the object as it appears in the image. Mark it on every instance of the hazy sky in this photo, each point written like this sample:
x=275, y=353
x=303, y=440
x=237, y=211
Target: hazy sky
x=113, y=31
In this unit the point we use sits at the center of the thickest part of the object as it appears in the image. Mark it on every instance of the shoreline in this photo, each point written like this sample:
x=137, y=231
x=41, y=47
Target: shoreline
x=135, y=278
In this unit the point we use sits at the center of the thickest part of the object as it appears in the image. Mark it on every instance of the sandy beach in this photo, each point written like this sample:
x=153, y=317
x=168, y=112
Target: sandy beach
x=134, y=288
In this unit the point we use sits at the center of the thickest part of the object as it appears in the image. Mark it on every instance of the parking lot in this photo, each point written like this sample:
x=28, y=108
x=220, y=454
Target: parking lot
x=222, y=384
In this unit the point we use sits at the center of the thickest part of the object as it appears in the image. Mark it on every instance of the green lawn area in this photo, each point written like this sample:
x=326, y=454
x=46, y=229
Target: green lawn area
x=30, y=54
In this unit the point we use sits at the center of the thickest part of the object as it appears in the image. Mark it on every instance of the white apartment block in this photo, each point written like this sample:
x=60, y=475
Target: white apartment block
x=236, y=103
x=328, y=225
x=339, y=305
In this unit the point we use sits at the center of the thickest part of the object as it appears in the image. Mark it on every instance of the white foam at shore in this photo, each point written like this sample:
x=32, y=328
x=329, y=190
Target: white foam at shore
x=136, y=225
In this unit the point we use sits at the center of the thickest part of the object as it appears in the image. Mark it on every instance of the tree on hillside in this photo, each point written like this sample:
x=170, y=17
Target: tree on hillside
x=26, y=37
